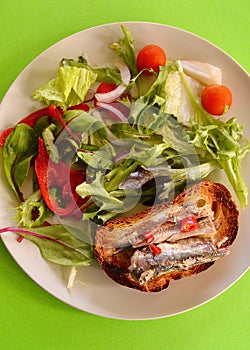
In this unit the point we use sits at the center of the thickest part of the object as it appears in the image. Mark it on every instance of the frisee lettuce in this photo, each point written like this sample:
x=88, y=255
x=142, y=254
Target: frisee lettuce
x=222, y=140
x=33, y=211
x=126, y=50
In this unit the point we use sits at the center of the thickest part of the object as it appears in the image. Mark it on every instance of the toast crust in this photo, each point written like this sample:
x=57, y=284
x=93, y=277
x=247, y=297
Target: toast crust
x=206, y=193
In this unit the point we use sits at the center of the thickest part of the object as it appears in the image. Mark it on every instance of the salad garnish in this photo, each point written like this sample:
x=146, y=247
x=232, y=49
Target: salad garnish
x=109, y=138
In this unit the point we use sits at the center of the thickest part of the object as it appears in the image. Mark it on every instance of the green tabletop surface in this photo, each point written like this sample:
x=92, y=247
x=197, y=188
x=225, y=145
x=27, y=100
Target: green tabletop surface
x=31, y=318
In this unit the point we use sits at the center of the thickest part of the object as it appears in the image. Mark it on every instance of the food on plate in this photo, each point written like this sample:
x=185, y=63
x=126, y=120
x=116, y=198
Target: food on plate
x=109, y=139
x=148, y=250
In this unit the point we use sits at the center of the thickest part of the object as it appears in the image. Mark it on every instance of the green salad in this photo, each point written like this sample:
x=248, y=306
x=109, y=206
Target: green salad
x=110, y=138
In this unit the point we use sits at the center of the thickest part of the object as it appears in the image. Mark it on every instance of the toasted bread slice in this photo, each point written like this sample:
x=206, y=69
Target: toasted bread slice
x=124, y=247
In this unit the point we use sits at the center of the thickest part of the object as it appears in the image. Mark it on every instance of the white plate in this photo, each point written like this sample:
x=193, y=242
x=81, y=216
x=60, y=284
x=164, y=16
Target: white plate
x=100, y=295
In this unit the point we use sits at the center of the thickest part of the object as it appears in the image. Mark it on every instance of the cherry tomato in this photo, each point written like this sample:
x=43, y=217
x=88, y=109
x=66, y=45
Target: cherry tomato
x=151, y=56
x=216, y=99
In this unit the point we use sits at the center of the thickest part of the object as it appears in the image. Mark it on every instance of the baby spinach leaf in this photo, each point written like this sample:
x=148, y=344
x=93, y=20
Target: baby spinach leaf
x=57, y=244
x=20, y=147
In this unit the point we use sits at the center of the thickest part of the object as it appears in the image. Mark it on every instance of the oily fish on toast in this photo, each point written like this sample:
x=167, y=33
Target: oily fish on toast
x=170, y=240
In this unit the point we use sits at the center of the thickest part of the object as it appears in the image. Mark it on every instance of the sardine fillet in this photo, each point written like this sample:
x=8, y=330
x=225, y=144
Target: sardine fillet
x=137, y=267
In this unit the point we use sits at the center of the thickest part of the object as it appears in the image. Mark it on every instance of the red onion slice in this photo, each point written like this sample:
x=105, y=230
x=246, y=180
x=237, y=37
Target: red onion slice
x=108, y=97
x=114, y=110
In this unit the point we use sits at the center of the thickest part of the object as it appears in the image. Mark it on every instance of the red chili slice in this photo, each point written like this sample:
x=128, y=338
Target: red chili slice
x=149, y=237
x=189, y=224
x=20, y=239
x=155, y=249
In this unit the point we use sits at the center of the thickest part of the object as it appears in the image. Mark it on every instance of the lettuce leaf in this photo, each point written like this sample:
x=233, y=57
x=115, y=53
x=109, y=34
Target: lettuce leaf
x=177, y=99
x=69, y=88
x=103, y=73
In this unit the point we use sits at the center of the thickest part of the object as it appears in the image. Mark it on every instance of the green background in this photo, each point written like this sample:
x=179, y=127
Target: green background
x=30, y=318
